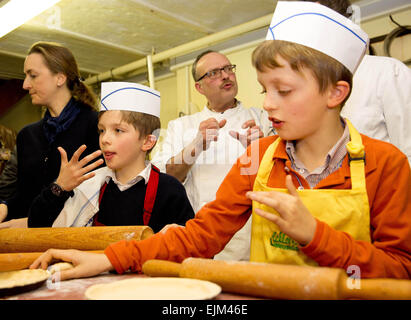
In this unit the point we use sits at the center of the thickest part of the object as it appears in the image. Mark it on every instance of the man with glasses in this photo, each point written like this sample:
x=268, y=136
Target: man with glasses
x=200, y=149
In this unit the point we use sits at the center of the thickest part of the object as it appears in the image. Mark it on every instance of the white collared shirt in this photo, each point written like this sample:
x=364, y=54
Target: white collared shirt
x=144, y=174
x=332, y=162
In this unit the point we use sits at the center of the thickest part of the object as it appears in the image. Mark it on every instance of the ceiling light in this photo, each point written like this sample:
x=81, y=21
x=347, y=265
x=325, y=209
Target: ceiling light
x=16, y=12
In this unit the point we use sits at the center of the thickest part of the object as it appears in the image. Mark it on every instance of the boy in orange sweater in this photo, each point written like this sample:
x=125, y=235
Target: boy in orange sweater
x=323, y=194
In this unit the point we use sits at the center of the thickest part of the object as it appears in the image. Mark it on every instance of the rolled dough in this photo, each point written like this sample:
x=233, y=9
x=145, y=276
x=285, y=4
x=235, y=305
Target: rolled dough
x=60, y=266
x=11, y=279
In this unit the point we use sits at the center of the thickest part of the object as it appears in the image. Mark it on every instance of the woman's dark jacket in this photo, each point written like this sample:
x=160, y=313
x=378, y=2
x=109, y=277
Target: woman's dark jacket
x=38, y=160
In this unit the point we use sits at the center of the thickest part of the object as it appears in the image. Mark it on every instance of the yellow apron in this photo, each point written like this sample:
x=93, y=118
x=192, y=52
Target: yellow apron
x=344, y=210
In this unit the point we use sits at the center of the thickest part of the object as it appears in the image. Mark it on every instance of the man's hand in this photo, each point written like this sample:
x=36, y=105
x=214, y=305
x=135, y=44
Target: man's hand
x=179, y=165
x=74, y=172
x=208, y=131
x=86, y=264
x=254, y=132
x=294, y=219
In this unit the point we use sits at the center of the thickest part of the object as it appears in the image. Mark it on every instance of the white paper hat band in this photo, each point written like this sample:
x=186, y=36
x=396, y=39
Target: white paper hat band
x=130, y=96
x=305, y=23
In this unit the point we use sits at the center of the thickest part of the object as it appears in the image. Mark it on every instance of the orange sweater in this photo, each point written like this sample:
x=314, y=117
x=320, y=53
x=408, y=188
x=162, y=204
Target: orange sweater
x=388, y=181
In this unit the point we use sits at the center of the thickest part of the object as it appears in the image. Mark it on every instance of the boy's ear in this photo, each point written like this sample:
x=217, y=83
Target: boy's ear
x=149, y=142
x=338, y=93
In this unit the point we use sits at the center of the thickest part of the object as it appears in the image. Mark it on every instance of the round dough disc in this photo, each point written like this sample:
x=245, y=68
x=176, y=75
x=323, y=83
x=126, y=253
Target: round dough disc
x=14, y=282
x=12, y=279
x=161, y=288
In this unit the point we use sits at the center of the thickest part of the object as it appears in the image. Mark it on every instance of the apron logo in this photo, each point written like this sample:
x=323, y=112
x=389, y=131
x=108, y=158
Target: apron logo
x=282, y=241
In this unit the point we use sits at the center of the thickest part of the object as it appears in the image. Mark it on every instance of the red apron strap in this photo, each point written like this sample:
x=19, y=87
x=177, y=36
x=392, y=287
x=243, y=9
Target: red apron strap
x=95, y=219
x=151, y=193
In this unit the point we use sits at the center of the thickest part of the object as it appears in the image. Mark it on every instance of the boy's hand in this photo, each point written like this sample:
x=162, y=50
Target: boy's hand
x=86, y=264
x=294, y=219
x=254, y=132
x=73, y=172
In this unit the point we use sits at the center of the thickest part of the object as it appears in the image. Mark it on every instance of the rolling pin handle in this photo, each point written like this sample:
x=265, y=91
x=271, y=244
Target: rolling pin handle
x=377, y=289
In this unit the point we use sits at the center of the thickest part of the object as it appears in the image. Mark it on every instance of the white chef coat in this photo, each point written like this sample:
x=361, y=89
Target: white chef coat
x=212, y=165
x=380, y=101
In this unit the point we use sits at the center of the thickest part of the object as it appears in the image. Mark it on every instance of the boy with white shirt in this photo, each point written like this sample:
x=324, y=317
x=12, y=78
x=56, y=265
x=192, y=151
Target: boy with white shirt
x=129, y=190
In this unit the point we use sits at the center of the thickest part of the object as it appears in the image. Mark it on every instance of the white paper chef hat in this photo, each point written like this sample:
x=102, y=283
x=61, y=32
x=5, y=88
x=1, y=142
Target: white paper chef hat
x=321, y=28
x=129, y=96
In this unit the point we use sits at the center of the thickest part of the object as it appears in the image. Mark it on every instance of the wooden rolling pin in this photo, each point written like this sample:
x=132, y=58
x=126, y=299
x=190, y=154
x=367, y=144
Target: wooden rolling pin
x=82, y=238
x=19, y=261
x=277, y=281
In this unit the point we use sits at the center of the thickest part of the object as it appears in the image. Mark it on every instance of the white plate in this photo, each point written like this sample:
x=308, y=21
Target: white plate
x=160, y=288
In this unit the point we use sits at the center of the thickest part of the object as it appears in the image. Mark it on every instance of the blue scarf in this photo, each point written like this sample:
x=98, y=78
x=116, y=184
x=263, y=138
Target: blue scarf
x=52, y=126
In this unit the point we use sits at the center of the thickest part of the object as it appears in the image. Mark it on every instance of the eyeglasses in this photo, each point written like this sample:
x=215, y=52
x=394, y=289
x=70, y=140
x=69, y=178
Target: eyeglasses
x=216, y=73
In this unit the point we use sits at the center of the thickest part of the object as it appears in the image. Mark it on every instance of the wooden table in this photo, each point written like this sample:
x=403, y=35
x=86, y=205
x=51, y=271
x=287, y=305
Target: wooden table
x=74, y=289
x=224, y=306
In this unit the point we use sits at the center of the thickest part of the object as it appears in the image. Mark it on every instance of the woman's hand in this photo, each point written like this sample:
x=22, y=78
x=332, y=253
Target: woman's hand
x=86, y=264
x=3, y=212
x=74, y=172
x=294, y=219
x=14, y=223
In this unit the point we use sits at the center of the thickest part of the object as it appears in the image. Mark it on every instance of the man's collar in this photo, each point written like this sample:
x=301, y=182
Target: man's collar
x=234, y=105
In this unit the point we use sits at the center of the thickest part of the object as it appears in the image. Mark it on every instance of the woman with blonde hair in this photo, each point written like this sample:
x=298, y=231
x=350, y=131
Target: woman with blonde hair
x=70, y=121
